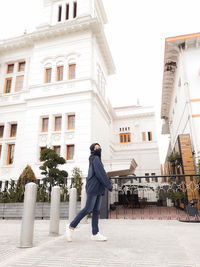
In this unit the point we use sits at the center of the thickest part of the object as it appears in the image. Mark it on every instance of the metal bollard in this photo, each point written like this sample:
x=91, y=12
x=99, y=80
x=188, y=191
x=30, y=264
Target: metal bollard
x=72, y=203
x=55, y=211
x=83, y=202
x=27, y=227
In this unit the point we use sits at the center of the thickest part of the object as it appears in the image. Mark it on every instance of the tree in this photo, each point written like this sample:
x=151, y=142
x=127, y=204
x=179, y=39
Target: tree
x=49, y=168
x=15, y=192
x=77, y=181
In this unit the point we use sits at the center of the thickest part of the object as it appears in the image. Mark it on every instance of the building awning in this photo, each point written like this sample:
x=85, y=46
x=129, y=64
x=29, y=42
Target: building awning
x=129, y=171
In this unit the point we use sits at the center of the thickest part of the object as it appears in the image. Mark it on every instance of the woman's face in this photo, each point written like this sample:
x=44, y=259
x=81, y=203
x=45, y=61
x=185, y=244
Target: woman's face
x=96, y=147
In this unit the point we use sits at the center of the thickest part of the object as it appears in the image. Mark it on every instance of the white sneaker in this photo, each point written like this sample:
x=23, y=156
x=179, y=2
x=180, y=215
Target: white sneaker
x=69, y=233
x=98, y=237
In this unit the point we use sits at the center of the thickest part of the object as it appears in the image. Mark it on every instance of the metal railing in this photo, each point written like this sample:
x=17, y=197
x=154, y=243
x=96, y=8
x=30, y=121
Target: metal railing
x=156, y=197
x=13, y=191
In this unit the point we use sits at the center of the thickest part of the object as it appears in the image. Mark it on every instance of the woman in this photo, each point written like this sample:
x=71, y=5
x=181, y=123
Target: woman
x=96, y=183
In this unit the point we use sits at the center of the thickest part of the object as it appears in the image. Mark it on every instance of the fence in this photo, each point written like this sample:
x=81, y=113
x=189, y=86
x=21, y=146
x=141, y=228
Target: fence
x=12, y=196
x=133, y=197
x=156, y=197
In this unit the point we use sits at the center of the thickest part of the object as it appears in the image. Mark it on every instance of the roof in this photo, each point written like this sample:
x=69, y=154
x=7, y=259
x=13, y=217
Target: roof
x=173, y=47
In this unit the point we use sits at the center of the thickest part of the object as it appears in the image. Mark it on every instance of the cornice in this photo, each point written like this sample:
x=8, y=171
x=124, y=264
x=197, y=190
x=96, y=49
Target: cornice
x=139, y=115
x=48, y=32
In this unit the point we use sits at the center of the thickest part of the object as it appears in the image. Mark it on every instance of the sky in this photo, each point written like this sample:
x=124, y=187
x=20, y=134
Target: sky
x=136, y=32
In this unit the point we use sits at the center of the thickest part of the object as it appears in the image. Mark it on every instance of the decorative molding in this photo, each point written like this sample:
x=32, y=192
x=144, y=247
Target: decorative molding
x=80, y=24
x=195, y=100
x=195, y=115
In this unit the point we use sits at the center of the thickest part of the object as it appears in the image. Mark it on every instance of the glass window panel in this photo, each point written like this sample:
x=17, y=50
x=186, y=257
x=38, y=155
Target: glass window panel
x=57, y=149
x=71, y=122
x=149, y=136
x=10, y=68
x=70, y=152
x=58, y=121
x=1, y=131
x=75, y=10
x=19, y=82
x=59, y=13
x=67, y=12
x=45, y=124
x=8, y=83
x=143, y=136
x=13, y=130
x=60, y=73
x=11, y=150
x=48, y=76
x=21, y=66
x=72, y=71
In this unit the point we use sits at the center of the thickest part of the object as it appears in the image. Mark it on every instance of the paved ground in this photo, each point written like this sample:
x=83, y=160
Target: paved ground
x=132, y=243
x=149, y=212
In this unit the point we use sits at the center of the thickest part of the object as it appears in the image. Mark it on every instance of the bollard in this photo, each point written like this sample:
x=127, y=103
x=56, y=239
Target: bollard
x=27, y=227
x=83, y=202
x=55, y=211
x=72, y=203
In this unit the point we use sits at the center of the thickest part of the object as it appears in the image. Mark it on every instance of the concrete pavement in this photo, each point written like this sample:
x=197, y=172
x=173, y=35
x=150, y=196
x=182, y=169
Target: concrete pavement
x=133, y=243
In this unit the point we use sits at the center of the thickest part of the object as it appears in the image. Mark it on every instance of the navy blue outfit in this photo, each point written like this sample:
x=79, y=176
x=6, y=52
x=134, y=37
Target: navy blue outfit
x=96, y=183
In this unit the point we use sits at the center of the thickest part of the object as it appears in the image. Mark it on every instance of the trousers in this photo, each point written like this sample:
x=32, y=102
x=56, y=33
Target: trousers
x=93, y=204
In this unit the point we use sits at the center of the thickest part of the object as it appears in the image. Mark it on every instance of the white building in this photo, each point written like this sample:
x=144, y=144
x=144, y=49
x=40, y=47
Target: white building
x=53, y=93
x=181, y=96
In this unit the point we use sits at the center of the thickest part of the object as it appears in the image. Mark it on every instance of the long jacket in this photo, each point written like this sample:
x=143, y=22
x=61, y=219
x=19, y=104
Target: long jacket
x=97, y=179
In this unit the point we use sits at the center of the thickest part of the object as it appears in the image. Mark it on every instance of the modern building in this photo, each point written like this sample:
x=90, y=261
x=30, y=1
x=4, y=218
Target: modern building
x=53, y=94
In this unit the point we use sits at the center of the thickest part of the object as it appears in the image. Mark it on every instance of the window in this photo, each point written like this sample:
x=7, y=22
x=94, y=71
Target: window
x=13, y=130
x=41, y=149
x=1, y=131
x=19, y=83
x=71, y=122
x=59, y=13
x=75, y=10
x=57, y=149
x=10, y=68
x=125, y=138
x=72, y=71
x=7, y=86
x=144, y=136
x=67, y=12
x=60, y=73
x=70, y=152
x=0, y=150
x=149, y=136
x=48, y=76
x=10, y=156
x=45, y=124
x=58, y=121
x=21, y=66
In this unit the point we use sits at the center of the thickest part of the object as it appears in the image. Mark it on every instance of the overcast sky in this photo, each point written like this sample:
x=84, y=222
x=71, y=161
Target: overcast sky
x=136, y=33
